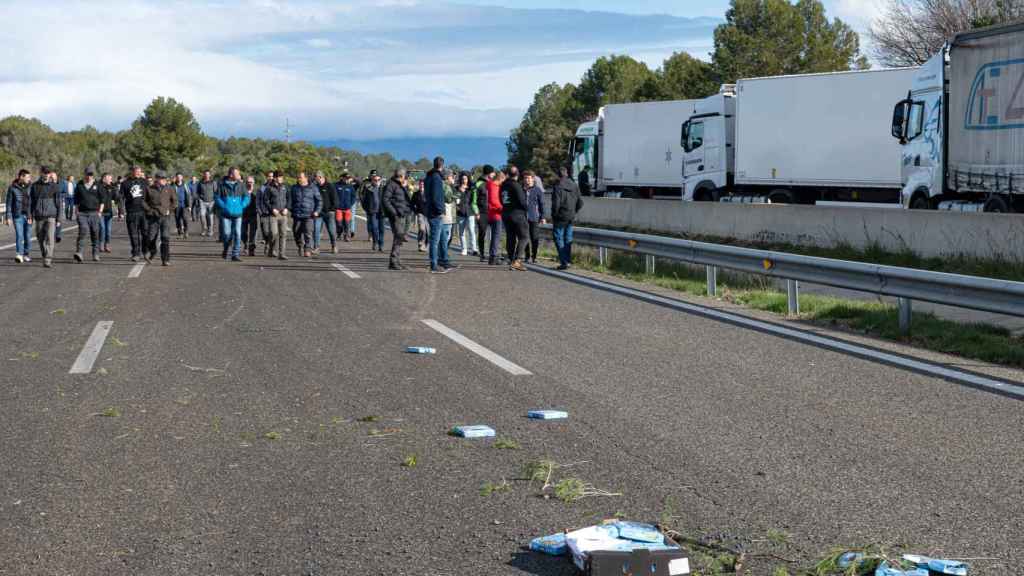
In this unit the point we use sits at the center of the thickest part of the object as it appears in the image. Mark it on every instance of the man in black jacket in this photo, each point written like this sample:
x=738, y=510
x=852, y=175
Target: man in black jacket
x=108, y=194
x=513, y=211
x=89, y=204
x=133, y=190
x=565, y=203
x=46, y=201
x=397, y=207
x=370, y=199
x=479, y=195
x=328, y=213
x=274, y=213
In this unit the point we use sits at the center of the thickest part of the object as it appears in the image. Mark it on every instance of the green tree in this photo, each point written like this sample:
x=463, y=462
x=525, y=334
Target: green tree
x=165, y=133
x=541, y=139
x=613, y=80
x=775, y=37
x=683, y=77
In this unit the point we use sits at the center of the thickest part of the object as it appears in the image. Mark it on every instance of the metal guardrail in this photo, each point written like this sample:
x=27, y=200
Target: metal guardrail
x=906, y=284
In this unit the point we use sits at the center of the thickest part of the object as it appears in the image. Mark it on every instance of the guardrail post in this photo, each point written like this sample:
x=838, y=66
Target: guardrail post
x=793, y=296
x=905, y=310
x=602, y=255
x=649, y=264
x=712, y=272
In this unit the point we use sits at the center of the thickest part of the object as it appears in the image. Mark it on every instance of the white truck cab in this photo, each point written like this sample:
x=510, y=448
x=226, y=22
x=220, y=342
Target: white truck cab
x=707, y=140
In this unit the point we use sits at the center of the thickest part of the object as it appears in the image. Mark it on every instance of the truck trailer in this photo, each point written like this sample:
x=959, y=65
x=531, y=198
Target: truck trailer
x=960, y=125
x=633, y=149
x=801, y=139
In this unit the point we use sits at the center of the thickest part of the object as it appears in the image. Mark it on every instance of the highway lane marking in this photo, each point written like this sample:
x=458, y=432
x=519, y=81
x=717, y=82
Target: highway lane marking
x=83, y=364
x=347, y=272
x=506, y=365
x=970, y=379
x=136, y=270
x=7, y=246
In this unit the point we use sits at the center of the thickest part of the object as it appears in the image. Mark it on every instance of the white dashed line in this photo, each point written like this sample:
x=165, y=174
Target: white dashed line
x=136, y=270
x=506, y=365
x=347, y=272
x=83, y=365
x=7, y=246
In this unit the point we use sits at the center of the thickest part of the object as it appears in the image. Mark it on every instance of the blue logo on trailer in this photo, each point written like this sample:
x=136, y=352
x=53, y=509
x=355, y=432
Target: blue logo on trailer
x=985, y=111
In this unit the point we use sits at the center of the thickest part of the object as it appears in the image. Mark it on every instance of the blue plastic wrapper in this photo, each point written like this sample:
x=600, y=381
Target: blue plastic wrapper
x=884, y=569
x=639, y=532
x=938, y=565
x=477, y=431
x=547, y=414
x=420, y=350
x=554, y=544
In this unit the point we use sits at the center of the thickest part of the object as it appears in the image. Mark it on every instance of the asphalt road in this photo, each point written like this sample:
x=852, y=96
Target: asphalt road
x=232, y=440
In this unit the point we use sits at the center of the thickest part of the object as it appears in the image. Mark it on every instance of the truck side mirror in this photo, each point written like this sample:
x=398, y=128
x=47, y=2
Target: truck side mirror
x=899, y=120
x=685, y=136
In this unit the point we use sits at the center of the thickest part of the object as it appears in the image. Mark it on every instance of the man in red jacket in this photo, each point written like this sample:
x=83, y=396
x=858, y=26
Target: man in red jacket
x=494, y=216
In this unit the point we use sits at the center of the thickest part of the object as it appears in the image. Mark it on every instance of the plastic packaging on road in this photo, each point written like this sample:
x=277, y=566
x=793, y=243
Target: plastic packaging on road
x=476, y=431
x=420, y=350
x=547, y=414
x=554, y=544
x=616, y=537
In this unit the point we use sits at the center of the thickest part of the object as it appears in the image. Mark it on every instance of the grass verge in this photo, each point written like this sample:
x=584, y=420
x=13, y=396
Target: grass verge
x=984, y=342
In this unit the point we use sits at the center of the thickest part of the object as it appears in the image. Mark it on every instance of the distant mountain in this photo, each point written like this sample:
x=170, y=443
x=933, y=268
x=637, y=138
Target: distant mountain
x=465, y=152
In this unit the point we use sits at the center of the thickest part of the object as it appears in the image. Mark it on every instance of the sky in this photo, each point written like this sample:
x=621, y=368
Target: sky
x=357, y=69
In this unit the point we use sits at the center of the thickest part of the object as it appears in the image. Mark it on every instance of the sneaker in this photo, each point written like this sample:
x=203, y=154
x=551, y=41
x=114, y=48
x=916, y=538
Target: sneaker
x=282, y=257
x=78, y=257
x=47, y=263
x=334, y=249
x=490, y=261
x=517, y=265
x=236, y=258
x=135, y=258
x=95, y=257
x=106, y=249
x=562, y=267
x=451, y=268
x=464, y=253
x=166, y=263
x=224, y=254
x=19, y=258
x=307, y=254
x=27, y=259
x=394, y=267
x=147, y=258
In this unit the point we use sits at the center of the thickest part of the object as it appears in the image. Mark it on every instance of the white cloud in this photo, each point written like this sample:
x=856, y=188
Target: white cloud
x=352, y=68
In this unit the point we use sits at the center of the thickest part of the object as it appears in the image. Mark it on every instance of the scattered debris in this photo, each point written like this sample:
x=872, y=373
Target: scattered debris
x=199, y=369
x=553, y=545
x=506, y=444
x=420, y=350
x=102, y=371
x=608, y=549
x=382, y=432
x=475, y=431
x=117, y=341
x=110, y=412
x=880, y=561
x=570, y=490
x=491, y=488
x=370, y=419
x=59, y=312
x=272, y=435
x=547, y=414
x=410, y=461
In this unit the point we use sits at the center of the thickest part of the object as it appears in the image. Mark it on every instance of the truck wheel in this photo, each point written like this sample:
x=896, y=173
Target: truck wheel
x=996, y=204
x=780, y=197
x=920, y=202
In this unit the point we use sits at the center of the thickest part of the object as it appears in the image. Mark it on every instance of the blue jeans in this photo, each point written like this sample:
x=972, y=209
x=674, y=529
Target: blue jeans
x=231, y=231
x=375, y=226
x=563, y=242
x=22, y=235
x=495, y=244
x=318, y=226
x=352, y=223
x=105, y=229
x=438, y=249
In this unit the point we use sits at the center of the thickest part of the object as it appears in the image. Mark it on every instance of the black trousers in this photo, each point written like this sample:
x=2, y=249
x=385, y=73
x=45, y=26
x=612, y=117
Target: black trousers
x=159, y=228
x=517, y=233
x=136, y=222
x=481, y=235
x=531, y=251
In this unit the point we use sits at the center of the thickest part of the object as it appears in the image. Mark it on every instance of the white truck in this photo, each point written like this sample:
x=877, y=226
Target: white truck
x=802, y=139
x=633, y=149
x=961, y=125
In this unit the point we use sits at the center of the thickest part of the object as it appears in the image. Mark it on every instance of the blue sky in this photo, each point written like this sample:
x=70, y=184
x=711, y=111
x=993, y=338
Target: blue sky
x=358, y=69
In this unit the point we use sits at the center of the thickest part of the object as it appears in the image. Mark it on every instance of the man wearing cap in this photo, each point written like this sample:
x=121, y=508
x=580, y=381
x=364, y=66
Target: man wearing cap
x=328, y=213
x=207, y=195
x=274, y=214
x=232, y=200
x=397, y=205
x=133, y=189
x=370, y=198
x=160, y=204
x=46, y=201
x=346, y=202
x=89, y=204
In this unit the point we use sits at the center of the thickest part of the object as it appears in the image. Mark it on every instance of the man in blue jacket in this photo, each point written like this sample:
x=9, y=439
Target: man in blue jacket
x=232, y=200
x=434, y=207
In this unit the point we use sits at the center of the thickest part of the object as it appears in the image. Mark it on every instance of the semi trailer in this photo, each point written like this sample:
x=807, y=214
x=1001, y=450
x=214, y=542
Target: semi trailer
x=960, y=125
x=633, y=150
x=801, y=139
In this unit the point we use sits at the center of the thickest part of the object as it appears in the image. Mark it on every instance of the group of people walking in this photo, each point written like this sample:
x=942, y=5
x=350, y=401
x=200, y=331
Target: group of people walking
x=442, y=202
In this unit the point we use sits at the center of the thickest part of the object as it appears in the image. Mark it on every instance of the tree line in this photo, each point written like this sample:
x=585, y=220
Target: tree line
x=758, y=38
x=167, y=137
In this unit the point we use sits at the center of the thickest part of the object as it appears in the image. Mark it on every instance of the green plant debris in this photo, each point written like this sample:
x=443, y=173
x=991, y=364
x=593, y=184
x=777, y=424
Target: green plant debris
x=58, y=312
x=779, y=537
x=490, y=488
x=102, y=371
x=380, y=432
x=409, y=461
x=506, y=444
x=117, y=341
x=29, y=355
x=215, y=424
x=367, y=419
x=871, y=557
x=780, y=571
x=570, y=490
x=272, y=435
x=111, y=412
x=337, y=420
x=540, y=471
